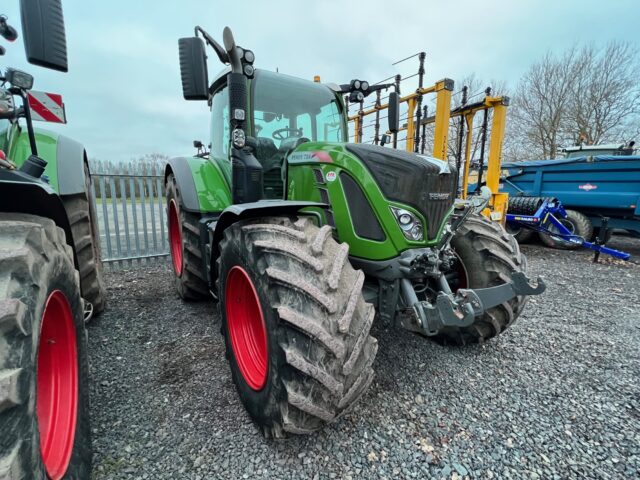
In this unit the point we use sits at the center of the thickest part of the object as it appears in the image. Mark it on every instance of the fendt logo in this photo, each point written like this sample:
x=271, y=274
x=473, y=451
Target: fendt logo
x=439, y=196
x=587, y=187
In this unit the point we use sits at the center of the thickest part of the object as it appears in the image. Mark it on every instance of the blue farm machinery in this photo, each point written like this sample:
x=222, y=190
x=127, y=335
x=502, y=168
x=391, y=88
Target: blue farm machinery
x=575, y=201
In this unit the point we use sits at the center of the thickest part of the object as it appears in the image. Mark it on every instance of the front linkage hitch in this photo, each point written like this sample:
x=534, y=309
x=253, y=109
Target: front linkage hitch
x=460, y=309
x=454, y=309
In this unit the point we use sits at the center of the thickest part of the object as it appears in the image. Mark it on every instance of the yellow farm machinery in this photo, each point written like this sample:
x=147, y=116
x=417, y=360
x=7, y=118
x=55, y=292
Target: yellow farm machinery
x=424, y=132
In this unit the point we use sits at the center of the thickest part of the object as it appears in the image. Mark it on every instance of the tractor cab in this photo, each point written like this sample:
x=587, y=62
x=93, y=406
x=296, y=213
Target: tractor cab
x=285, y=112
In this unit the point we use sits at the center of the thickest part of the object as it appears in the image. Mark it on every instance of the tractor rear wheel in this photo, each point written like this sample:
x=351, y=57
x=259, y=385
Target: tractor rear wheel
x=184, y=246
x=577, y=223
x=295, y=323
x=487, y=256
x=83, y=219
x=44, y=397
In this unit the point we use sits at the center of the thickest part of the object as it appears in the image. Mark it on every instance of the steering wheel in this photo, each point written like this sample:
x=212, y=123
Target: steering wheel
x=295, y=132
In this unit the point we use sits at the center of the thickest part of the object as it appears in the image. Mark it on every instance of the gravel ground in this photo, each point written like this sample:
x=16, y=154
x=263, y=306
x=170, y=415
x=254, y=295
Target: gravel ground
x=556, y=396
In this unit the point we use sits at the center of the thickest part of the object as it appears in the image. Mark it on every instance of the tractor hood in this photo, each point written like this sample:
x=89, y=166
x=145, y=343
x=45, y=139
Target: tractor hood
x=425, y=183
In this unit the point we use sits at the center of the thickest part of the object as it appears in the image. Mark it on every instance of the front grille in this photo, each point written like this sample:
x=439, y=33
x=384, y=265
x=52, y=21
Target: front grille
x=436, y=199
x=425, y=183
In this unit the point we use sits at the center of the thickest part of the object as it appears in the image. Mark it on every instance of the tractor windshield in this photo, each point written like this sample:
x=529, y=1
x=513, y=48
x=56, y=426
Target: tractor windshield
x=287, y=108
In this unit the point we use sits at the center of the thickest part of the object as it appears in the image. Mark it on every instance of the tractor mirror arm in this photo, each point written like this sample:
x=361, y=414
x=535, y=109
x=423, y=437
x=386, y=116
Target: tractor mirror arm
x=220, y=52
x=350, y=87
x=232, y=50
x=358, y=90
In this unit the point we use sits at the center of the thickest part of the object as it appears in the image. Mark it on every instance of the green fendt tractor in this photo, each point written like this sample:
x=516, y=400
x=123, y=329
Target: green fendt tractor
x=304, y=239
x=49, y=272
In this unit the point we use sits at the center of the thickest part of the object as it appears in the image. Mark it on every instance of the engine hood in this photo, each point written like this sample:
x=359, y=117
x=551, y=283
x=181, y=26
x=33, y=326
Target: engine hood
x=425, y=183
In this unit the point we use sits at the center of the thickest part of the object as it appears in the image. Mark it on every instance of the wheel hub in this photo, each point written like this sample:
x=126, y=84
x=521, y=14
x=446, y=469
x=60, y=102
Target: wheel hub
x=246, y=327
x=57, y=385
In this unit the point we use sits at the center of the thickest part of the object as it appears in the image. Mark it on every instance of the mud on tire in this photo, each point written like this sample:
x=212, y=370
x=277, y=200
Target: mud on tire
x=488, y=255
x=190, y=280
x=320, y=353
x=35, y=261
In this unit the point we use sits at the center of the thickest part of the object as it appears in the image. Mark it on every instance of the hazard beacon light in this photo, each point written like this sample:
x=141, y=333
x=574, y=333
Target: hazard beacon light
x=46, y=107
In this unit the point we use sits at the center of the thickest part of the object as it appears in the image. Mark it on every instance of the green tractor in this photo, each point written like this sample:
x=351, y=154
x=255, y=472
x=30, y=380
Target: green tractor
x=304, y=239
x=50, y=273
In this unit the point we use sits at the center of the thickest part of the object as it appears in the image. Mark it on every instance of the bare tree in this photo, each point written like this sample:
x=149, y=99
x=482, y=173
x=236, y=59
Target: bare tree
x=605, y=100
x=542, y=104
x=586, y=94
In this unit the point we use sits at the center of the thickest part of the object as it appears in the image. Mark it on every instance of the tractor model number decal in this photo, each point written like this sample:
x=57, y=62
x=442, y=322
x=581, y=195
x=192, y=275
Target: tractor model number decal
x=309, y=157
x=587, y=187
x=46, y=107
x=331, y=176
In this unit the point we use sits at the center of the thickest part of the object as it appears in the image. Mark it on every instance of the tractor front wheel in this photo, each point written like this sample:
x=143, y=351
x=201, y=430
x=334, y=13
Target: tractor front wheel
x=487, y=257
x=295, y=323
x=44, y=395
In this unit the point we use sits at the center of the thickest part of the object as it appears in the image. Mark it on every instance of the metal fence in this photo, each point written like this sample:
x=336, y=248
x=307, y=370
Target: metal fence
x=130, y=207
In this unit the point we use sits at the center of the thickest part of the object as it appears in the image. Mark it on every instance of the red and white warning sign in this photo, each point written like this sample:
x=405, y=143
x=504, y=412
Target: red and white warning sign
x=47, y=107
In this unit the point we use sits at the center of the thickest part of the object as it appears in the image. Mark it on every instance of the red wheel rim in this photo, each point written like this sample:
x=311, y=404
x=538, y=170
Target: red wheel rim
x=57, y=385
x=247, y=330
x=175, y=237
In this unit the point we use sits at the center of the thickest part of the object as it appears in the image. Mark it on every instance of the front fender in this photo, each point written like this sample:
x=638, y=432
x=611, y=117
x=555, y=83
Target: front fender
x=243, y=211
x=21, y=193
x=202, y=185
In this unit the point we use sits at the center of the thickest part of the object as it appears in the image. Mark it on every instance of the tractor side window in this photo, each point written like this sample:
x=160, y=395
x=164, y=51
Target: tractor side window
x=220, y=135
x=329, y=123
x=303, y=122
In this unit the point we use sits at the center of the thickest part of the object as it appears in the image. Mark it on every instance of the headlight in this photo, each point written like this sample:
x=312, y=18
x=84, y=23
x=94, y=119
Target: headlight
x=409, y=224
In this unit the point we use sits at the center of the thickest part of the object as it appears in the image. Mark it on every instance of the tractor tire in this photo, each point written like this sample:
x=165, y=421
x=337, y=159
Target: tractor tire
x=44, y=371
x=577, y=223
x=82, y=216
x=184, y=245
x=295, y=323
x=487, y=257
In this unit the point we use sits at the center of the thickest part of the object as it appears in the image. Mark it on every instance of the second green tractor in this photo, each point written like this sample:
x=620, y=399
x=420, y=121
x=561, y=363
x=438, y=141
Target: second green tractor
x=305, y=239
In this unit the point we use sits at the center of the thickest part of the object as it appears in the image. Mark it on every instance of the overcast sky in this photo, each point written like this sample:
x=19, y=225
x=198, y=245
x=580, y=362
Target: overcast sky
x=123, y=95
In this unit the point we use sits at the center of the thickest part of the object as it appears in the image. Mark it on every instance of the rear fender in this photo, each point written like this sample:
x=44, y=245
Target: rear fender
x=202, y=184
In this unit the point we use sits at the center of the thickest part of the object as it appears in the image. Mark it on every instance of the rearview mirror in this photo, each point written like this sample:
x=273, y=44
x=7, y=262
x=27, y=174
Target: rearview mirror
x=193, y=69
x=43, y=31
x=394, y=112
